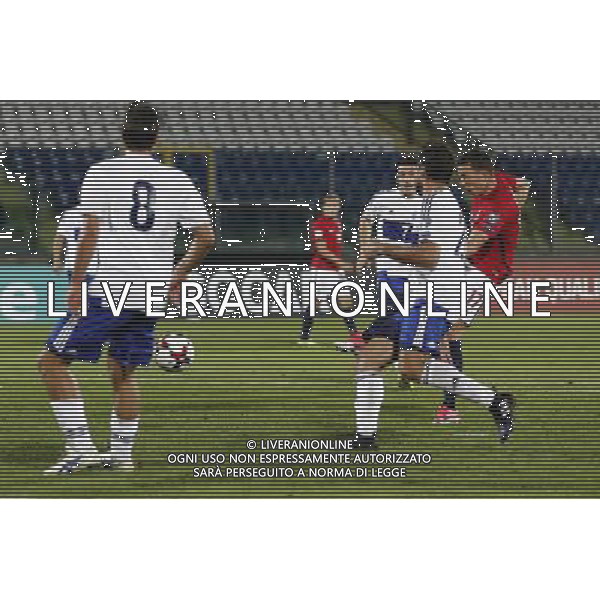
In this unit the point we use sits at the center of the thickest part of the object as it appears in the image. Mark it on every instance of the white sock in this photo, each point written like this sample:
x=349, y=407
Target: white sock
x=448, y=378
x=369, y=397
x=122, y=437
x=73, y=423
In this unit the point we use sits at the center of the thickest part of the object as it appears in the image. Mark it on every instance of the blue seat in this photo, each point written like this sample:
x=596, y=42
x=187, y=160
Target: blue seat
x=270, y=176
x=359, y=175
x=578, y=185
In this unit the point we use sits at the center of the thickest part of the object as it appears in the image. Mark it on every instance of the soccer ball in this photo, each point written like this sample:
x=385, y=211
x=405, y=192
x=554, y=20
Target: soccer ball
x=174, y=352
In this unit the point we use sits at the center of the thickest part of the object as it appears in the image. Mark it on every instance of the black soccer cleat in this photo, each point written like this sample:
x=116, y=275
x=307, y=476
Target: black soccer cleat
x=502, y=409
x=364, y=442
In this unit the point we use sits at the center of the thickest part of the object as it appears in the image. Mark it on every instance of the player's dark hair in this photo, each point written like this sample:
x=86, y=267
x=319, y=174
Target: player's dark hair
x=408, y=160
x=478, y=159
x=141, y=126
x=438, y=163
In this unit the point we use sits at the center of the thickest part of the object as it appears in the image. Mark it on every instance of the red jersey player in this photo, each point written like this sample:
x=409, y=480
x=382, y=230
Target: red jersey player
x=327, y=267
x=496, y=201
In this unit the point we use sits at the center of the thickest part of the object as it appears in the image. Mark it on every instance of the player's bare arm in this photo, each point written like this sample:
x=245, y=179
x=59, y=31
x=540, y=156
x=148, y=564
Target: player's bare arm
x=85, y=252
x=58, y=252
x=522, y=189
x=203, y=240
x=365, y=228
x=322, y=250
x=475, y=241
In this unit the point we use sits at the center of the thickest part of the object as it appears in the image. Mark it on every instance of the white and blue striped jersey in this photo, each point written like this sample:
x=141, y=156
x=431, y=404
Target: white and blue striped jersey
x=397, y=219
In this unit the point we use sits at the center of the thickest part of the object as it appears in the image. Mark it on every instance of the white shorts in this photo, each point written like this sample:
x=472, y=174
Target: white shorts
x=325, y=280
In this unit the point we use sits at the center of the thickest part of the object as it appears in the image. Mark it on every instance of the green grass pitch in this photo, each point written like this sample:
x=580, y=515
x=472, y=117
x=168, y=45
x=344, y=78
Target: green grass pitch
x=251, y=381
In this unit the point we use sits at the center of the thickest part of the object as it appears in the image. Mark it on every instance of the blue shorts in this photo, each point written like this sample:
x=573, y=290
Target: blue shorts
x=416, y=331
x=130, y=336
x=423, y=333
x=389, y=327
x=396, y=284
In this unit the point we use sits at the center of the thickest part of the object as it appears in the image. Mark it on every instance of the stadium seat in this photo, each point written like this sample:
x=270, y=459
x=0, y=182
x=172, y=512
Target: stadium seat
x=270, y=176
x=56, y=173
x=195, y=165
x=578, y=187
x=358, y=176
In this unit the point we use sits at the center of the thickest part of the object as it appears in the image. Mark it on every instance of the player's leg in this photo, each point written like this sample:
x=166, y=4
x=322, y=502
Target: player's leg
x=355, y=337
x=370, y=389
x=424, y=366
x=324, y=282
x=131, y=346
x=345, y=302
x=307, y=325
x=68, y=407
x=307, y=319
x=379, y=350
x=350, y=323
x=57, y=377
x=126, y=392
x=396, y=284
x=73, y=339
x=420, y=367
x=447, y=413
x=125, y=416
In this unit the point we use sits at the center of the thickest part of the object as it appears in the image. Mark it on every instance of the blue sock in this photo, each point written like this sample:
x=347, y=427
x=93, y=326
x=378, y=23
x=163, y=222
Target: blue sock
x=457, y=360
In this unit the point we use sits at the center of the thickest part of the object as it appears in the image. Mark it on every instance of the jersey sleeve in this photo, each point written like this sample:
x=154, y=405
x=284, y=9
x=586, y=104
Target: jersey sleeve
x=490, y=216
x=91, y=196
x=507, y=180
x=63, y=227
x=487, y=219
x=70, y=220
x=375, y=205
x=193, y=212
x=369, y=211
x=319, y=229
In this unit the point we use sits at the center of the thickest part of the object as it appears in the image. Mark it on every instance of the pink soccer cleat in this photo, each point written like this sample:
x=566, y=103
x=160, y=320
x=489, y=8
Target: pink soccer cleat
x=446, y=416
x=352, y=344
x=356, y=338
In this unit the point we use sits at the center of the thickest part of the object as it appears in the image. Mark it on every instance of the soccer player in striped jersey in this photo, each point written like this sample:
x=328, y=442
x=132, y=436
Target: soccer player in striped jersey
x=387, y=207
x=435, y=236
x=131, y=207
